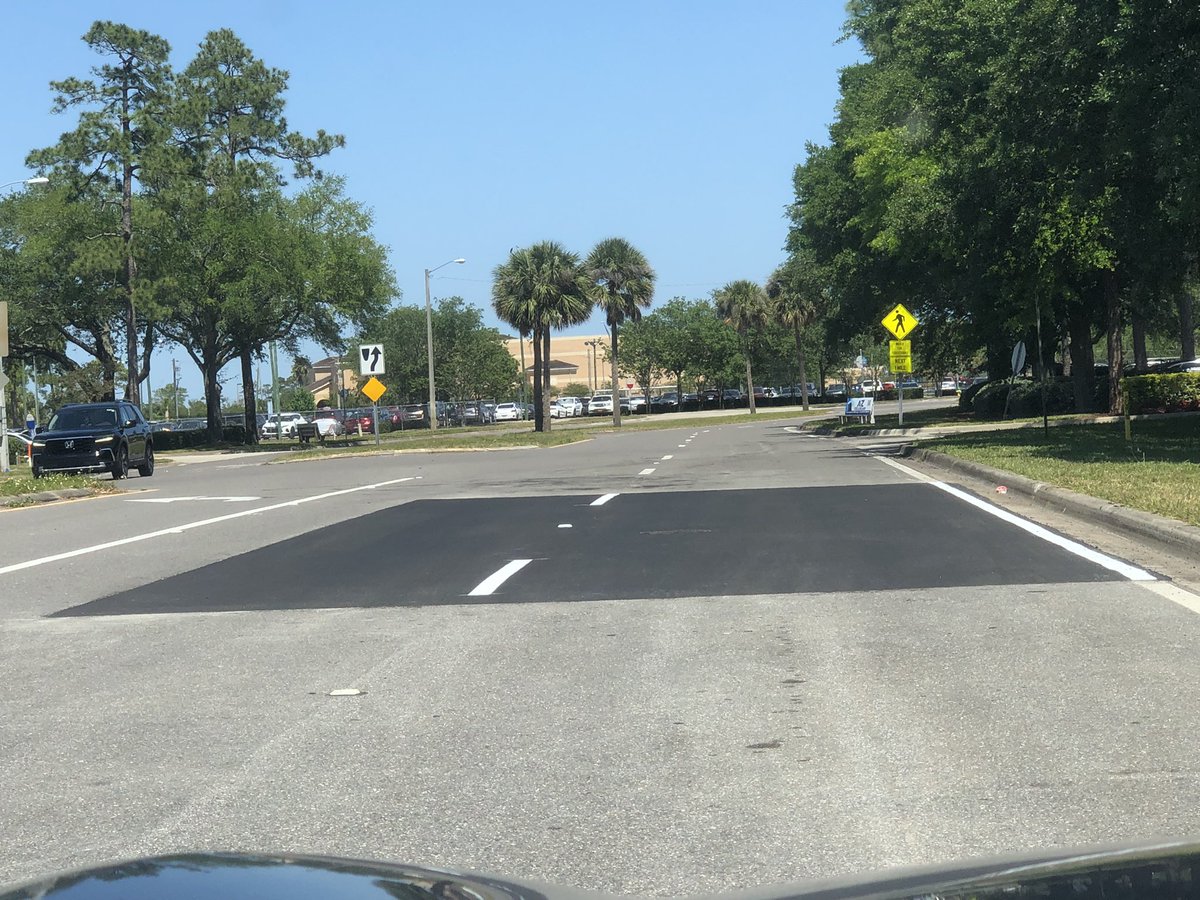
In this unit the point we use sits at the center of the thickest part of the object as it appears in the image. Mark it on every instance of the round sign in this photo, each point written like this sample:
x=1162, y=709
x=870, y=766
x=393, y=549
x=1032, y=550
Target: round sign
x=30, y=423
x=629, y=384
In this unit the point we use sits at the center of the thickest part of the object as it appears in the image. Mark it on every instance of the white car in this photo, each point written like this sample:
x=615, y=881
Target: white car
x=327, y=424
x=566, y=408
x=286, y=422
x=508, y=412
x=600, y=405
x=949, y=386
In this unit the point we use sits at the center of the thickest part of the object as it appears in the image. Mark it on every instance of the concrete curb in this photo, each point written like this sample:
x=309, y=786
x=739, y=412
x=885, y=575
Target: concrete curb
x=1173, y=534
x=47, y=496
x=1000, y=425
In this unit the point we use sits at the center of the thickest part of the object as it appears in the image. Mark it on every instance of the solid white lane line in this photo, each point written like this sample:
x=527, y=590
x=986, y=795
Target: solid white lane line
x=497, y=578
x=647, y=471
x=600, y=501
x=668, y=456
x=188, y=526
x=1175, y=594
x=1113, y=565
x=566, y=525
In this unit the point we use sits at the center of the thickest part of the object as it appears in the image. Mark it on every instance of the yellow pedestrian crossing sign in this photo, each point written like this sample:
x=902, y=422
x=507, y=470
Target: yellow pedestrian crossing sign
x=900, y=322
x=900, y=356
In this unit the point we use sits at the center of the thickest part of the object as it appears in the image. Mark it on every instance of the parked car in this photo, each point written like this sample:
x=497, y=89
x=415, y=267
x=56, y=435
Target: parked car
x=837, y=389
x=509, y=412
x=867, y=387
x=667, y=402
x=1186, y=365
x=601, y=405
x=637, y=404
x=283, y=425
x=948, y=386
x=360, y=420
x=411, y=415
x=329, y=423
x=94, y=437
x=732, y=396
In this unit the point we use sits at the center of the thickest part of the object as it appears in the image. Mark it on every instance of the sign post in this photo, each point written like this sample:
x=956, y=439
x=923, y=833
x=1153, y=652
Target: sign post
x=1018, y=365
x=374, y=389
x=900, y=362
x=900, y=322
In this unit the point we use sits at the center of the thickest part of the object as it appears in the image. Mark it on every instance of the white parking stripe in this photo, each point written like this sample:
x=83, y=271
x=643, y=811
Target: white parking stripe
x=497, y=578
x=600, y=501
x=1113, y=565
x=648, y=471
x=188, y=526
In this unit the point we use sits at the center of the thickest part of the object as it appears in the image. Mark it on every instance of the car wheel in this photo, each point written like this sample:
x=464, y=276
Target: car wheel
x=36, y=470
x=146, y=469
x=120, y=466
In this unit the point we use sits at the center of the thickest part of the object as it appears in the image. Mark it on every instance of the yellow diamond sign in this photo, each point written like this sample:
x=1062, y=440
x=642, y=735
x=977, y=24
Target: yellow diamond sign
x=374, y=389
x=900, y=322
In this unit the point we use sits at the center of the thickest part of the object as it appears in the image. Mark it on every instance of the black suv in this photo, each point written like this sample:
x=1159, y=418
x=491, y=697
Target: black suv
x=94, y=437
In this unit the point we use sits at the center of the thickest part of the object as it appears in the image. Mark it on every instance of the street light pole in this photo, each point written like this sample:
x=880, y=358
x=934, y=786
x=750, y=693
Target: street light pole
x=433, y=419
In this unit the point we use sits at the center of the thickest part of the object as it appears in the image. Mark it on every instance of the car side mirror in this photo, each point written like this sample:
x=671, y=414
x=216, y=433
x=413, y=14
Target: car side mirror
x=129, y=423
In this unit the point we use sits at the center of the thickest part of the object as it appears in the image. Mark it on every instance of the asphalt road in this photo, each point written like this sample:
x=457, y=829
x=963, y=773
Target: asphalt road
x=765, y=656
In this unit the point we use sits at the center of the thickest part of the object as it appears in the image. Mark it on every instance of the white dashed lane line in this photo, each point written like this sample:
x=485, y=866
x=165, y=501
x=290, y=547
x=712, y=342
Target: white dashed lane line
x=668, y=456
x=600, y=501
x=647, y=471
x=497, y=578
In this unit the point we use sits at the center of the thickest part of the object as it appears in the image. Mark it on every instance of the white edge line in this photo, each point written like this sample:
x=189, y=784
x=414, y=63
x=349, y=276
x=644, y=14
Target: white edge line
x=1175, y=594
x=600, y=501
x=647, y=471
x=497, y=578
x=188, y=526
x=1113, y=565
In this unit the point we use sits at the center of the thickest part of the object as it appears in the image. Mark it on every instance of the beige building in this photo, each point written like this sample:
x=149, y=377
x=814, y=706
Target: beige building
x=322, y=376
x=574, y=359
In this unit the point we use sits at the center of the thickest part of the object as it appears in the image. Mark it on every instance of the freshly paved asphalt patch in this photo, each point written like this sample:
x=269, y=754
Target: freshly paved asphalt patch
x=649, y=545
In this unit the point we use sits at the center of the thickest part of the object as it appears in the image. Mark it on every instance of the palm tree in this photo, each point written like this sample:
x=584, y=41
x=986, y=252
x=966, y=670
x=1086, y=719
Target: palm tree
x=793, y=306
x=743, y=304
x=626, y=284
x=540, y=288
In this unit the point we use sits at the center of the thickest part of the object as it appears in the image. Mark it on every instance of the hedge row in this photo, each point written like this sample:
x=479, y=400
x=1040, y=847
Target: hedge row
x=1026, y=399
x=185, y=440
x=917, y=393
x=1178, y=392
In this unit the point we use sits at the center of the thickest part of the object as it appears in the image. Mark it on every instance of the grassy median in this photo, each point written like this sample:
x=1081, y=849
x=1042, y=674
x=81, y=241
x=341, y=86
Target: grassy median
x=440, y=441
x=19, y=483
x=1158, y=471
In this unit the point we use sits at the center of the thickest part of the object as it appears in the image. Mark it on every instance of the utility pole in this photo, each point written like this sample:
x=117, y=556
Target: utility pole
x=175, y=383
x=275, y=393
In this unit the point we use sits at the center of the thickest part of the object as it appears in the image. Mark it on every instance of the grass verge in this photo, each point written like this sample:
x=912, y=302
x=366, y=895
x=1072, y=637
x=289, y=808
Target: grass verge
x=1158, y=471
x=17, y=484
x=441, y=441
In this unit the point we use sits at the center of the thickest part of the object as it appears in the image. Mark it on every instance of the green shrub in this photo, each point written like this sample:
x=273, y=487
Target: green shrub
x=1026, y=399
x=916, y=393
x=1177, y=392
x=966, y=397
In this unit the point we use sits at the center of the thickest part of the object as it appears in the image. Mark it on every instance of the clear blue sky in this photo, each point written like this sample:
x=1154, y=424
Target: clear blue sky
x=472, y=128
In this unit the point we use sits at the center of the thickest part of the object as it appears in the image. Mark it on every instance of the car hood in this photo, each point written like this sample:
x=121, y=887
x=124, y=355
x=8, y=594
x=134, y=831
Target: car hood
x=1165, y=869
x=75, y=433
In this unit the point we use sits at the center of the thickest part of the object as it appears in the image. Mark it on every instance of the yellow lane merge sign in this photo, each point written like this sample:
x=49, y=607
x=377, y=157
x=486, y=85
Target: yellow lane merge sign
x=900, y=356
x=374, y=389
x=900, y=322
